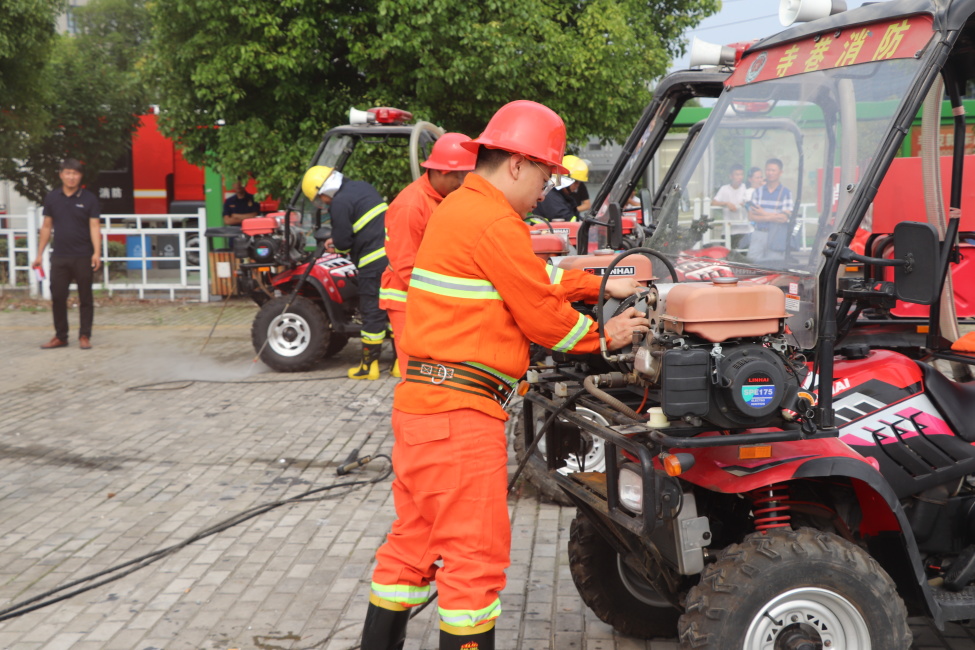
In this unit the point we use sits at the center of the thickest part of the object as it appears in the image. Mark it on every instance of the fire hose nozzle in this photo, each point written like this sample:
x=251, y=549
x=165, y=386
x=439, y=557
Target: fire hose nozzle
x=348, y=467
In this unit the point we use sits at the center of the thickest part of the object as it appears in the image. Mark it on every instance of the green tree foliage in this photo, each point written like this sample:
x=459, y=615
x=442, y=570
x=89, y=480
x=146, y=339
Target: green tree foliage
x=26, y=34
x=276, y=74
x=93, y=97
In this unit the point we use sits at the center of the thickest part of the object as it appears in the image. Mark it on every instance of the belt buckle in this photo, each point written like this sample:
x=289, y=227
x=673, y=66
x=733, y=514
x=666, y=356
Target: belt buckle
x=441, y=374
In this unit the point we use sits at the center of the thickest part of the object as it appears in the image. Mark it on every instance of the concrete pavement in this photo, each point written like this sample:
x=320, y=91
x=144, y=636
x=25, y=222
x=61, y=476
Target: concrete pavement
x=98, y=468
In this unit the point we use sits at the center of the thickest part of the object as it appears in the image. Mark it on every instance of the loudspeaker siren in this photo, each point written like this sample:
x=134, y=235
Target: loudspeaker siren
x=704, y=53
x=360, y=117
x=804, y=11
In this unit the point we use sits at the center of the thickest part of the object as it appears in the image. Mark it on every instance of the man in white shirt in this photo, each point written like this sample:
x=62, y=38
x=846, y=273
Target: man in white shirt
x=731, y=199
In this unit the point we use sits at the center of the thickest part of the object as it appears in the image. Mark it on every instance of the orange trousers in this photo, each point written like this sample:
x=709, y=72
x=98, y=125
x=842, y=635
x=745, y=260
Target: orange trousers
x=450, y=494
x=397, y=320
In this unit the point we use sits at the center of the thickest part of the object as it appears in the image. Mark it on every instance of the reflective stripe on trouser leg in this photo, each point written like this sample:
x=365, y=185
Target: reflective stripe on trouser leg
x=397, y=318
x=372, y=338
x=451, y=503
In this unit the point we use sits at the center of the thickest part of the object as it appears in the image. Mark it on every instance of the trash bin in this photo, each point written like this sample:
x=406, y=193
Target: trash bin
x=135, y=246
x=167, y=246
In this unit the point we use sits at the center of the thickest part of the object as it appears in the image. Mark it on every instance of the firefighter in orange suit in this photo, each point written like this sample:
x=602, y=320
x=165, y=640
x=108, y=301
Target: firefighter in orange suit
x=406, y=219
x=477, y=296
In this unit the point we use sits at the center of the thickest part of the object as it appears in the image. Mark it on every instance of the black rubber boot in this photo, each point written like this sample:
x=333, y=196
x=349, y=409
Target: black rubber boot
x=384, y=629
x=479, y=641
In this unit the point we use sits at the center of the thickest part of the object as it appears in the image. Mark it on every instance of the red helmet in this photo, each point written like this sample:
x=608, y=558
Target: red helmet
x=448, y=155
x=528, y=128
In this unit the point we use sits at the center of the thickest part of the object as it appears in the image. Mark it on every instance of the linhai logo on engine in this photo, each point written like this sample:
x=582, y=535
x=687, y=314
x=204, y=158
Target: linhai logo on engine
x=619, y=270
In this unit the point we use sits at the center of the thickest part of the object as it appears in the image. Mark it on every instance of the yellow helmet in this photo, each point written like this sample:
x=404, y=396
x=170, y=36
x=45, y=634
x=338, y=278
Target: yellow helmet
x=578, y=169
x=314, y=179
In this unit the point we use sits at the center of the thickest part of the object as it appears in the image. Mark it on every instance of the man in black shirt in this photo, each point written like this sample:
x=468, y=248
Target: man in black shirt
x=72, y=212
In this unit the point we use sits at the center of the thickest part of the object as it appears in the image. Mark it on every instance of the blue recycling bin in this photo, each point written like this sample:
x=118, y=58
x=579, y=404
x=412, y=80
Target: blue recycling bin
x=134, y=248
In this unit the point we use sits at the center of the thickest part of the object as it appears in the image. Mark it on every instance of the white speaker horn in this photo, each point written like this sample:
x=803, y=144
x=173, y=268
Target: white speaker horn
x=360, y=117
x=803, y=11
x=704, y=53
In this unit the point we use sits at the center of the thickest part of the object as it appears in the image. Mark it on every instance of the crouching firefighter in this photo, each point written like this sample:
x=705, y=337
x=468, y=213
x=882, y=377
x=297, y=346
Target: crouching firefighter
x=477, y=296
x=358, y=214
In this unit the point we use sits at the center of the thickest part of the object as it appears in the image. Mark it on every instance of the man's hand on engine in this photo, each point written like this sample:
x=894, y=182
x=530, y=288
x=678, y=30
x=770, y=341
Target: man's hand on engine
x=621, y=288
x=620, y=328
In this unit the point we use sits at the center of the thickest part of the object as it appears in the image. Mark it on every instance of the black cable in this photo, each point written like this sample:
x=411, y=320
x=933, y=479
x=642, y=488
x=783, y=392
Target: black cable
x=538, y=436
x=21, y=608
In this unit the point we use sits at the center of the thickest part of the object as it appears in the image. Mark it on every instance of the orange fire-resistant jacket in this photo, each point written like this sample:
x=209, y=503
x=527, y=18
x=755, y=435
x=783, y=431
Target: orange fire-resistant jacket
x=406, y=220
x=478, y=294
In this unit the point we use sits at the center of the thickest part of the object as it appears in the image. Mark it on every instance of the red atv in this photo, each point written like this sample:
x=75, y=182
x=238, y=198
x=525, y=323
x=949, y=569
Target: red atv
x=774, y=479
x=309, y=300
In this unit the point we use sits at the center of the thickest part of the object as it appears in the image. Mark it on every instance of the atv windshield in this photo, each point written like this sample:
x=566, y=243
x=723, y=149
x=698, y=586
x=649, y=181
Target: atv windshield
x=798, y=143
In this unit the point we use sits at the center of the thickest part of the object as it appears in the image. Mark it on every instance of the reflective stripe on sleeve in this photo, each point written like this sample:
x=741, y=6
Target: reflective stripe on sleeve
x=404, y=594
x=554, y=274
x=392, y=294
x=470, y=617
x=446, y=285
x=575, y=335
x=372, y=257
x=368, y=216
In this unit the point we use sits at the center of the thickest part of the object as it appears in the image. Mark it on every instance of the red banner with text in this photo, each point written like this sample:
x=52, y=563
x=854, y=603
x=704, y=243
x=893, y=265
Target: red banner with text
x=903, y=38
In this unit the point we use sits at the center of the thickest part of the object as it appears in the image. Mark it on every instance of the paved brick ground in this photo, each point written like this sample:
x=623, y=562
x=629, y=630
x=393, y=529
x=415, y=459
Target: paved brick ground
x=94, y=473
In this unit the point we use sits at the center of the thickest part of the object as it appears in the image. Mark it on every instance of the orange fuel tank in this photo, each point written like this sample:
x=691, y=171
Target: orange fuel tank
x=724, y=309
x=632, y=266
x=547, y=245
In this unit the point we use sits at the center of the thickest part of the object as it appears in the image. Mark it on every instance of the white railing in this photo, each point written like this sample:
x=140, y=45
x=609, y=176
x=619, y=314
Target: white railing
x=721, y=229
x=20, y=238
x=163, y=254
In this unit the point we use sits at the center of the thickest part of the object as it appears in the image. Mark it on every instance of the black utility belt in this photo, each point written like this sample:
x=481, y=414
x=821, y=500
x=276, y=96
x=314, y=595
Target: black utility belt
x=460, y=376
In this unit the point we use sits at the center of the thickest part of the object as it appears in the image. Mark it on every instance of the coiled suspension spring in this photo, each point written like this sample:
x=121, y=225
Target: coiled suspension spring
x=770, y=507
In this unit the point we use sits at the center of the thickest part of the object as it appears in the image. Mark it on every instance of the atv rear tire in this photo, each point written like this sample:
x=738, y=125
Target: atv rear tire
x=612, y=591
x=293, y=341
x=536, y=471
x=794, y=588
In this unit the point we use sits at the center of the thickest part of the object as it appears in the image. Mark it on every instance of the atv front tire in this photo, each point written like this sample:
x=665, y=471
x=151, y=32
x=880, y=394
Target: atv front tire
x=794, y=589
x=612, y=590
x=291, y=341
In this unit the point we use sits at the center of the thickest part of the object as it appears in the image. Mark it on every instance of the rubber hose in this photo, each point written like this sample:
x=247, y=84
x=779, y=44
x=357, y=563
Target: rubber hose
x=590, y=385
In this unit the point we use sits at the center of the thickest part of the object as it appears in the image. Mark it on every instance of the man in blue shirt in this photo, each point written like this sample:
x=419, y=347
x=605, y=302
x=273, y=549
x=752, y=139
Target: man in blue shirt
x=771, y=213
x=74, y=216
x=239, y=206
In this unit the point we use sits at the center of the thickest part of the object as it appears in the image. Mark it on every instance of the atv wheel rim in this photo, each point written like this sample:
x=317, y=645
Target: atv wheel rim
x=808, y=618
x=594, y=459
x=288, y=335
x=640, y=588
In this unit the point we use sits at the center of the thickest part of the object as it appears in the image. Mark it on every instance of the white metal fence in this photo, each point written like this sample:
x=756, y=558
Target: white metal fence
x=157, y=255
x=722, y=229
